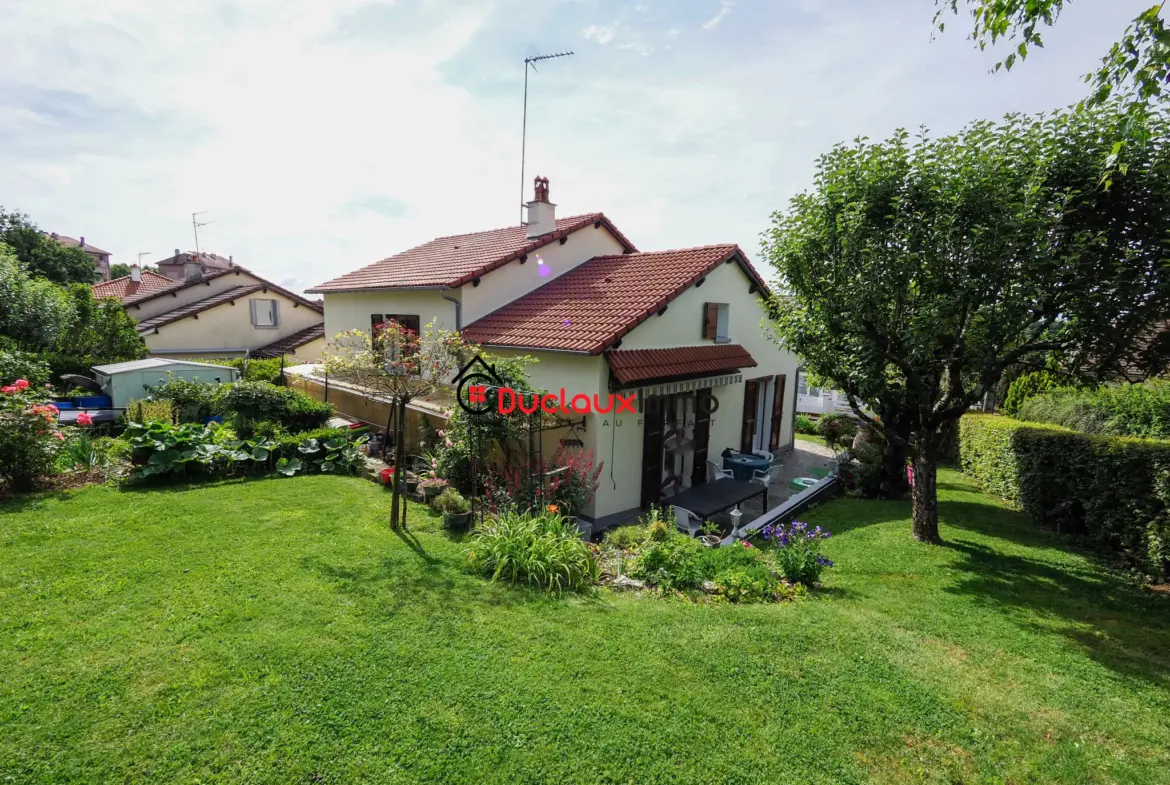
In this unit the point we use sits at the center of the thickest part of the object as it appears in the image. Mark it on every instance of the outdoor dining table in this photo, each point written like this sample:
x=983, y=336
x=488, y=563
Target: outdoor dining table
x=711, y=498
x=743, y=465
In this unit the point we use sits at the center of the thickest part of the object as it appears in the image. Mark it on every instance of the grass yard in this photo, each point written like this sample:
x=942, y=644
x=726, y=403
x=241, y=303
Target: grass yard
x=277, y=631
x=807, y=437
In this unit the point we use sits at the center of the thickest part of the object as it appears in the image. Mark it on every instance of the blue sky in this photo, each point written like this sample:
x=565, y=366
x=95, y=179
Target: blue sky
x=321, y=136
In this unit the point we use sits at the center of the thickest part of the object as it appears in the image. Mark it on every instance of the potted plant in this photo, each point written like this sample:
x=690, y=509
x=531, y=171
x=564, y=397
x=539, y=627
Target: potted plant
x=411, y=480
x=456, y=509
x=432, y=486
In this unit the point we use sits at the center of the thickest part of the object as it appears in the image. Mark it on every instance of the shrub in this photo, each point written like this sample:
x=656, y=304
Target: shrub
x=572, y=489
x=543, y=550
x=1115, y=410
x=24, y=365
x=451, y=502
x=1110, y=492
x=838, y=430
x=148, y=410
x=254, y=369
x=676, y=562
x=627, y=538
x=29, y=438
x=798, y=550
x=806, y=425
x=192, y=401
x=88, y=453
x=1026, y=387
x=248, y=403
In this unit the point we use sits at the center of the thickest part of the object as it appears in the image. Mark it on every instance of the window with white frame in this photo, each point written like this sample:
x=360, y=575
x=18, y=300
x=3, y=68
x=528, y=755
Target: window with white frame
x=265, y=313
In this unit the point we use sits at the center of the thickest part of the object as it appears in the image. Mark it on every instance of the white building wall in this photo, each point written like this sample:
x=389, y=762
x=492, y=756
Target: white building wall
x=682, y=325
x=513, y=280
x=352, y=310
x=227, y=329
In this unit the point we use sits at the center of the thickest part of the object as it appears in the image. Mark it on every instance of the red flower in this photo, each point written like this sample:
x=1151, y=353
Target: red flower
x=20, y=384
x=58, y=436
x=9, y=390
x=84, y=419
x=746, y=544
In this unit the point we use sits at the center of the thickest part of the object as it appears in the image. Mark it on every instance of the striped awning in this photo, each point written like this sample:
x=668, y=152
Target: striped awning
x=690, y=385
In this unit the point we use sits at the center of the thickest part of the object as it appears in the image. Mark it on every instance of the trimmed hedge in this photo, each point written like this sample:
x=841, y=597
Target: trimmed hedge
x=1111, y=492
x=1115, y=410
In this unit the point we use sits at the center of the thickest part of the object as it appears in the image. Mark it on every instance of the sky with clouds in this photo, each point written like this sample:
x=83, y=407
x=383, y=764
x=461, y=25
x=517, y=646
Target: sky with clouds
x=322, y=135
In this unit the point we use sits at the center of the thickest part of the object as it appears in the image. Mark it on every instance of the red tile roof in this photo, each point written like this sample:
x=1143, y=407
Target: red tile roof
x=590, y=307
x=644, y=365
x=456, y=260
x=176, y=286
x=292, y=342
x=198, y=307
x=124, y=288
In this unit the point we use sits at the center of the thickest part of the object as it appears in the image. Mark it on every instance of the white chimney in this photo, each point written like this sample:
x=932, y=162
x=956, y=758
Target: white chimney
x=135, y=273
x=192, y=271
x=542, y=214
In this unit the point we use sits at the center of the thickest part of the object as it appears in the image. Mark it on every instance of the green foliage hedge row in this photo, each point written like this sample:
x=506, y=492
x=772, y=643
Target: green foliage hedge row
x=1112, y=492
x=1026, y=387
x=1116, y=410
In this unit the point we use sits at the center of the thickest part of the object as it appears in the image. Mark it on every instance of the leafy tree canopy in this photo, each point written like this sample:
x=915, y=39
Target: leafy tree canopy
x=919, y=271
x=102, y=331
x=42, y=256
x=1136, y=67
x=34, y=313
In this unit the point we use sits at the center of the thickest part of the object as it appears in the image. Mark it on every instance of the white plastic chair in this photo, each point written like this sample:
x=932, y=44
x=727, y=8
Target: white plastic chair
x=765, y=454
x=687, y=521
x=715, y=473
x=762, y=476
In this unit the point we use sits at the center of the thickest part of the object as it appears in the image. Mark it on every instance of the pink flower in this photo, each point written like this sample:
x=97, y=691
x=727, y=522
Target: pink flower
x=84, y=419
x=449, y=444
x=9, y=390
x=52, y=408
x=58, y=436
x=746, y=544
x=20, y=384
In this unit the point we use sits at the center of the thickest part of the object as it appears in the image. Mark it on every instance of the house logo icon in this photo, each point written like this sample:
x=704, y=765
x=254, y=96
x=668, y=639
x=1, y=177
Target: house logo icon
x=477, y=387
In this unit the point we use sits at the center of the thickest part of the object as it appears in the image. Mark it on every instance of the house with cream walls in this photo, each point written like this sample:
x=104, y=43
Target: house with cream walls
x=218, y=312
x=680, y=331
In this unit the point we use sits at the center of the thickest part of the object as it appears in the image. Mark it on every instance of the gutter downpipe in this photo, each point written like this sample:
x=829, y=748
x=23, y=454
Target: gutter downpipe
x=458, y=308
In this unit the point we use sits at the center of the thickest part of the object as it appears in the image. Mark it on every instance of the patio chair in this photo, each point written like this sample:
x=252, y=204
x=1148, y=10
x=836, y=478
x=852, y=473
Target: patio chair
x=765, y=454
x=715, y=473
x=687, y=521
x=762, y=476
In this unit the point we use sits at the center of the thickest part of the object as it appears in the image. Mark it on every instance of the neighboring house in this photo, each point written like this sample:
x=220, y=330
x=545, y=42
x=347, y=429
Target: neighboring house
x=182, y=265
x=101, y=259
x=223, y=313
x=820, y=400
x=678, y=330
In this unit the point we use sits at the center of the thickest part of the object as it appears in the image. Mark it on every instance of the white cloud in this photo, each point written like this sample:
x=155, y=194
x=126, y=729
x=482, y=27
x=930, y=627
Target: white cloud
x=323, y=136
x=724, y=9
x=601, y=35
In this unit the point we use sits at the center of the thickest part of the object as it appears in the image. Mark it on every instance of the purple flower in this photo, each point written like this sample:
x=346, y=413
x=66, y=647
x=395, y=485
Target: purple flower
x=821, y=560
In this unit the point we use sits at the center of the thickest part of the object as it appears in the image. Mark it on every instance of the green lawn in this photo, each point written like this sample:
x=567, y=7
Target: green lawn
x=806, y=437
x=277, y=631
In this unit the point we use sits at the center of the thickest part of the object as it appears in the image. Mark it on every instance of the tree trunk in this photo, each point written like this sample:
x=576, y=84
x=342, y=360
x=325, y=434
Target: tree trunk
x=924, y=495
x=397, y=515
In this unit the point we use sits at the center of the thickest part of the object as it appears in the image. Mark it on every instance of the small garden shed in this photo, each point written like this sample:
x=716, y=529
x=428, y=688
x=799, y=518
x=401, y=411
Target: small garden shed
x=125, y=382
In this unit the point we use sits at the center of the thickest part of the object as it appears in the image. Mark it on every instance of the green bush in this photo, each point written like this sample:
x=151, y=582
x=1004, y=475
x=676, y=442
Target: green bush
x=192, y=401
x=1026, y=387
x=806, y=425
x=544, y=551
x=23, y=365
x=838, y=430
x=1111, y=492
x=1116, y=410
x=738, y=572
x=253, y=369
x=148, y=410
x=29, y=439
x=249, y=403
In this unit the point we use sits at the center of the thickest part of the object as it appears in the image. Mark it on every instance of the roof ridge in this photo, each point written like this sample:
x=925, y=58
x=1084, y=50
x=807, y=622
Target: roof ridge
x=489, y=231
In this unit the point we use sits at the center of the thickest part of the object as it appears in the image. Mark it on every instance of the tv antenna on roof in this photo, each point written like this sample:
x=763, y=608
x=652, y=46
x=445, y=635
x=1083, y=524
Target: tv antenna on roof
x=530, y=62
x=195, y=225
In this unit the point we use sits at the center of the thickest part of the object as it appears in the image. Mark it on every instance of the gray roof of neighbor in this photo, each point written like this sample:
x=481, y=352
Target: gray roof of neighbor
x=151, y=362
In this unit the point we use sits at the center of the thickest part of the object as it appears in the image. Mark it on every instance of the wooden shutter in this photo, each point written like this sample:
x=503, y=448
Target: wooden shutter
x=252, y=311
x=702, y=436
x=652, y=451
x=777, y=415
x=710, y=320
x=751, y=389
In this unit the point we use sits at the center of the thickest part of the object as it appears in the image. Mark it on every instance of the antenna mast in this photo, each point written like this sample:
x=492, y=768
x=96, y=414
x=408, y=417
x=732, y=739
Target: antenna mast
x=195, y=225
x=530, y=61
